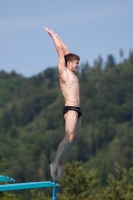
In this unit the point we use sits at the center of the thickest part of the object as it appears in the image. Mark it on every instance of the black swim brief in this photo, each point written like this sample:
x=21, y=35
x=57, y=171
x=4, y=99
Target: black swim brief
x=77, y=109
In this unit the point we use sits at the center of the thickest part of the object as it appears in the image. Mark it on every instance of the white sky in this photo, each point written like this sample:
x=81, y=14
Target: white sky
x=89, y=28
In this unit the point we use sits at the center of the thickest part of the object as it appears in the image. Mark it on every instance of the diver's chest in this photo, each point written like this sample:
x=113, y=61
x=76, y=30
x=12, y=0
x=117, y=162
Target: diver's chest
x=73, y=79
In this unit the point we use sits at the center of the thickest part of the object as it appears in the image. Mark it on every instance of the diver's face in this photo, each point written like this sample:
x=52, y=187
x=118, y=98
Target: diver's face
x=73, y=66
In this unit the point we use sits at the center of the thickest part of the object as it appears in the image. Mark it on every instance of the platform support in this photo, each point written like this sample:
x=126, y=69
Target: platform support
x=54, y=192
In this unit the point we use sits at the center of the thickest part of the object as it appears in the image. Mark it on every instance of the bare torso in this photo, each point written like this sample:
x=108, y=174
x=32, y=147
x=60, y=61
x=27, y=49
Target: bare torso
x=70, y=89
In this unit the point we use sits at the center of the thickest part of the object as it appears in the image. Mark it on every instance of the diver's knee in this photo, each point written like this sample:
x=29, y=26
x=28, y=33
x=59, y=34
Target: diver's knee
x=72, y=138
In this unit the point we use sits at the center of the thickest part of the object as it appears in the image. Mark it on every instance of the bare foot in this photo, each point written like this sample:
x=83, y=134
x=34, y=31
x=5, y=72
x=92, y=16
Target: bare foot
x=53, y=168
x=60, y=170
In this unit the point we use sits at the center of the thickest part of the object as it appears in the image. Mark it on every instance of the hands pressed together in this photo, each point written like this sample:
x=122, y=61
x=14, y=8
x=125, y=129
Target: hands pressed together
x=50, y=31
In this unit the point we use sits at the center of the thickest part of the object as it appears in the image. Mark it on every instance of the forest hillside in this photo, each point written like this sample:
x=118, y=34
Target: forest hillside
x=32, y=124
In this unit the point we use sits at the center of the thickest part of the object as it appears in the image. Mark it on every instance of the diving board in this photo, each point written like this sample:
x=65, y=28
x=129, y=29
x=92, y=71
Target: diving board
x=30, y=185
x=4, y=178
x=23, y=186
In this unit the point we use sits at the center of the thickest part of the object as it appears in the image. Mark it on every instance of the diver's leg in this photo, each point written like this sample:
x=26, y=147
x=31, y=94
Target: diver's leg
x=66, y=153
x=72, y=137
x=65, y=146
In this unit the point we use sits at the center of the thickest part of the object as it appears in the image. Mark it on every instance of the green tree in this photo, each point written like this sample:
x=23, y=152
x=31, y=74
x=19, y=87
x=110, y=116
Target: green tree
x=2, y=160
x=110, y=62
x=121, y=52
x=77, y=183
x=119, y=187
x=39, y=195
x=4, y=195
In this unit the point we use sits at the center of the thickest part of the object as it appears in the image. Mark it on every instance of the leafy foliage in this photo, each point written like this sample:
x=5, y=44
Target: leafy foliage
x=78, y=184
x=31, y=121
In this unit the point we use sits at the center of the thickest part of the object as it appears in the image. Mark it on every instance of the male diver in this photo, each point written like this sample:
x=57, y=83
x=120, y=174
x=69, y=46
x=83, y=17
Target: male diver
x=68, y=64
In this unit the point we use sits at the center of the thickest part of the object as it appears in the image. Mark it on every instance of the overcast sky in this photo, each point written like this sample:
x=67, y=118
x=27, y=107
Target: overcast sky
x=89, y=29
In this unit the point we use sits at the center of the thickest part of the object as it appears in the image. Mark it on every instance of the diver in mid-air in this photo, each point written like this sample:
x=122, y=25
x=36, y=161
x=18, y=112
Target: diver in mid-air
x=68, y=64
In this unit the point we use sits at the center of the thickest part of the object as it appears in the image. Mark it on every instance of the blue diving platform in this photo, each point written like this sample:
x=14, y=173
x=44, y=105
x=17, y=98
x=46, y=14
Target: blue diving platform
x=4, y=178
x=29, y=185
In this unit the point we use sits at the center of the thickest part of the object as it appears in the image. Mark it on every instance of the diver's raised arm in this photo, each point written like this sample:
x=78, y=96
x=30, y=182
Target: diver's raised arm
x=59, y=48
x=64, y=47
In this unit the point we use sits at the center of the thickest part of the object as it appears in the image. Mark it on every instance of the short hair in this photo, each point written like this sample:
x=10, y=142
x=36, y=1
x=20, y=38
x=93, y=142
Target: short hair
x=71, y=57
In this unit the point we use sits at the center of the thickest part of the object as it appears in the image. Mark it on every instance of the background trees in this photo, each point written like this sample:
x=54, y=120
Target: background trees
x=31, y=120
